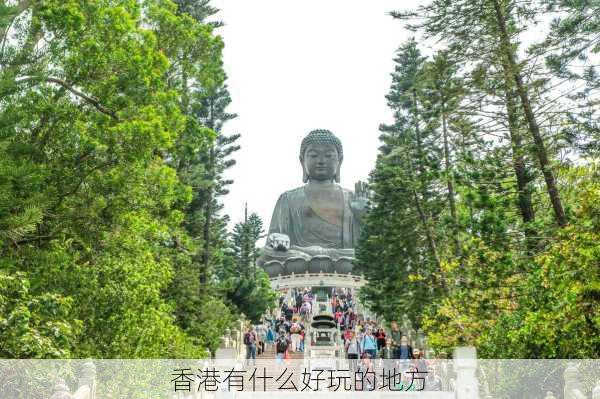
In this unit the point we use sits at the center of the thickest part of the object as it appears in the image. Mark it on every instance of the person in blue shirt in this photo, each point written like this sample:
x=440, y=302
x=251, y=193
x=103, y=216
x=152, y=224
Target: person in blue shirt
x=369, y=344
x=270, y=336
x=405, y=353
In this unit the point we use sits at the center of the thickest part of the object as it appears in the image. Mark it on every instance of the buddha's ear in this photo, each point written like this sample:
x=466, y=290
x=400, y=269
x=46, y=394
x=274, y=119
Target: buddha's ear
x=337, y=172
x=304, y=171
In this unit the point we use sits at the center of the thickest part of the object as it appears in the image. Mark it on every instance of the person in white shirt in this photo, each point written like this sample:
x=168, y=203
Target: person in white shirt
x=352, y=352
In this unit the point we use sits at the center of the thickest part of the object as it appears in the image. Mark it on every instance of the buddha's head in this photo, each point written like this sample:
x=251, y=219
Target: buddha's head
x=321, y=156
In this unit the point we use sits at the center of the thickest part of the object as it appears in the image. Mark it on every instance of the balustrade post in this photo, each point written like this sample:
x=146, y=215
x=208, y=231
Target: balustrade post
x=227, y=339
x=596, y=391
x=412, y=337
x=406, y=324
x=444, y=375
x=465, y=366
x=88, y=377
x=60, y=390
x=571, y=376
x=421, y=339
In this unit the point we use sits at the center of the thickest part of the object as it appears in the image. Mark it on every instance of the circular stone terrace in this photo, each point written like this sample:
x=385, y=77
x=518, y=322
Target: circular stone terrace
x=308, y=279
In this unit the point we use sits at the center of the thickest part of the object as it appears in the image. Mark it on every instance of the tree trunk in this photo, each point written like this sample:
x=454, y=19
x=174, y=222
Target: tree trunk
x=204, y=272
x=185, y=98
x=420, y=208
x=524, y=200
x=205, y=266
x=450, y=181
x=420, y=156
x=430, y=237
x=534, y=129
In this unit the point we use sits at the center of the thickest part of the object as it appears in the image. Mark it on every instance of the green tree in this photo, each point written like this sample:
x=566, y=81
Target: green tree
x=245, y=237
x=94, y=102
x=571, y=51
x=476, y=29
x=441, y=93
x=247, y=287
x=201, y=165
x=457, y=166
x=393, y=254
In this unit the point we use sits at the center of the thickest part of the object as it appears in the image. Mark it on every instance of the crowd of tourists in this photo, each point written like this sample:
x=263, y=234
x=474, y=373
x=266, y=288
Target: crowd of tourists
x=285, y=332
x=367, y=344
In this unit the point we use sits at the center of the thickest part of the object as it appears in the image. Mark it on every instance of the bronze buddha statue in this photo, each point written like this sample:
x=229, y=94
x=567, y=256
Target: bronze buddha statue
x=319, y=220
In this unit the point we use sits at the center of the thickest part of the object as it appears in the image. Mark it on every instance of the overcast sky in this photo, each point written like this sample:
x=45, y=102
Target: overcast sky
x=295, y=66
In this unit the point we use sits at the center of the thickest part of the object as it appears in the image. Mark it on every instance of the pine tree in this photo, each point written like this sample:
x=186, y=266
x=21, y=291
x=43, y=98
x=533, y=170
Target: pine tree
x=442, y=93
x=571, y=51
x=495, y=102
x=457, y=165
x=201, y=164
x=404, y=99
x=476, y=29
x=245, y=237
x=216, y=160
x=393, y=254
x=200, y=10
x=247, y=287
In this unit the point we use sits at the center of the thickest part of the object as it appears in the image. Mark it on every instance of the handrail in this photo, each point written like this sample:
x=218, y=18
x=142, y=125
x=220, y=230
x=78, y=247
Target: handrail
x=299, y=275
x=572, y=380
x=596, y=391
x=302, y=279
x=484, y=383
x=445, y=376
x=576, y=394
x=83, y=392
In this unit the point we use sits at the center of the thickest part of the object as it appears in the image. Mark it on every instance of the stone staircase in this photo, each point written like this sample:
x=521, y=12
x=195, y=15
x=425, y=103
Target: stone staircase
x=270, y=354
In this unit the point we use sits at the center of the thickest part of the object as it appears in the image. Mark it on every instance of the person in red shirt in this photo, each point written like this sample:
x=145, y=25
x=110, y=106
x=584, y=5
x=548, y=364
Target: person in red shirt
x=347, y=335
x=338, y=317
x=381, y=339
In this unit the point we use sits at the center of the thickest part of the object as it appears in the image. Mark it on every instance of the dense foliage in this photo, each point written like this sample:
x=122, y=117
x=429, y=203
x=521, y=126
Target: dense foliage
x=483, y=227
x=111, y=162
x=248, y=285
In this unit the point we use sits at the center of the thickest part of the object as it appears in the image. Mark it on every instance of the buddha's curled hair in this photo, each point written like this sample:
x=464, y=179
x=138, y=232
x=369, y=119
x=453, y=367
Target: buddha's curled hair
x=321, y=136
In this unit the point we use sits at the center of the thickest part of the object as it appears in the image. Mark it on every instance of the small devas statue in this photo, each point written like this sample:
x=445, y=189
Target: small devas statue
x=319, y=219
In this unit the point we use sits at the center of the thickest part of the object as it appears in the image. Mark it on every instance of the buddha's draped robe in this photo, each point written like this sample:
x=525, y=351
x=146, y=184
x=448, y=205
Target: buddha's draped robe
x=309, y=229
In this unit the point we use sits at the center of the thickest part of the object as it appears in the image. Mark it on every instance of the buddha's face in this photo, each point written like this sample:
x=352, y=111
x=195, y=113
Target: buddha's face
x=321, y=162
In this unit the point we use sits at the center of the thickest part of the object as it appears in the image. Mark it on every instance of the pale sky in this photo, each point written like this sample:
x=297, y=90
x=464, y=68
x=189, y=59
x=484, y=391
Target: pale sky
x=295, y=66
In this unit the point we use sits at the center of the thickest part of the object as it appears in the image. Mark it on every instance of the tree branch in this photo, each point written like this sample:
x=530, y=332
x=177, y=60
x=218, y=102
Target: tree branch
x=89, y=99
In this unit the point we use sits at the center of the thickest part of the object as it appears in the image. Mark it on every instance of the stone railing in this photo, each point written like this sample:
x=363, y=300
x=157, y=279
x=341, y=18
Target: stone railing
x=484, y=384
x=233, y=343
x=466, y=385
x=464, y=381
x=86, y=385
x=573, y=385
x=317, y=279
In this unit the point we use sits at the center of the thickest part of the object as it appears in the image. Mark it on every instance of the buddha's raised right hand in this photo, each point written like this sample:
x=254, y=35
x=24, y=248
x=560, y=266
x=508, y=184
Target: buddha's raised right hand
x=278, y=241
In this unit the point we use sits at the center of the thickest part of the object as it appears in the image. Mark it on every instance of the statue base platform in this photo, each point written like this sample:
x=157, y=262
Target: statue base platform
x=314, y=280
x=301, y=265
